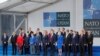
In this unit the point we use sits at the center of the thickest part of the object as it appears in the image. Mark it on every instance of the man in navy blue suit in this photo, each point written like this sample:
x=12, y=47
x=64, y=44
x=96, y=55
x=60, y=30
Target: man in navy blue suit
x=4, y=40
x=90, y=43
x=83, y=42
x=63, y=33
x=45, y=42
x=39, y=37
x=13, y=42
x=75, y=42
x=67, y=42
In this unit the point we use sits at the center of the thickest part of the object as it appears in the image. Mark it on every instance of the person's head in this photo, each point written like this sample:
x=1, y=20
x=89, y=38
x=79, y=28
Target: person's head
x=23, y=31
x=89, y=32
x=51, y=31
x=45, y=32
x=20, y=29
x=74, y=32
x=63, y=29
x=83, y=31
x=58, y=29
x=38, y=29
x=86, y=32
x=14, y=33
x=4, y=33
x=32, y=33
x=59, y=33
x=19, y=34
x=77, y=32
x=71, y=31
x=67, y=31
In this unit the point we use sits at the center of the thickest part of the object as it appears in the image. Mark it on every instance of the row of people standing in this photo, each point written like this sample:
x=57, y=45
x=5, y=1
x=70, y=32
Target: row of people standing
x=78, y=41
x=64, y=41
x=21, y=42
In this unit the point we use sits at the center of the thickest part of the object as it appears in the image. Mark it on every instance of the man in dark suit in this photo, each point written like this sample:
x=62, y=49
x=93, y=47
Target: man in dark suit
x=29, y=32
x=67, y=41
x=75, y=42
x=4, y=40
x=90, y=43
x=26, y=45
x=13, y=42
x=85, y=41
x=39, y=37
x=82, y=43
x=70, y=41
x=45, y=43
x=63, y=32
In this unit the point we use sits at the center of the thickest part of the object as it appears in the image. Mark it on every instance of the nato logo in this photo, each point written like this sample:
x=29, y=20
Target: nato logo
x=91, y=9
x=49, y=19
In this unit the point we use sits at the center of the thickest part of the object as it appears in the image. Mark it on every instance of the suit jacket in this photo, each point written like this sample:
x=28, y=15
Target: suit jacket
x=63, y=34
x=82, y=40
x=75, y=40
x=68, y=39
x=14, y=39
x=26, y=43
x=52, y=39
x=86, y=38
x=45, y=40
x=24, y=35
x=4, y=39
x=39, y=37
x=90, y=39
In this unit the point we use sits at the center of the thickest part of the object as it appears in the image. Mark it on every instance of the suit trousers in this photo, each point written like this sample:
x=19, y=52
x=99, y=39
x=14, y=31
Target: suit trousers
x=90, y=50
x=5, y=49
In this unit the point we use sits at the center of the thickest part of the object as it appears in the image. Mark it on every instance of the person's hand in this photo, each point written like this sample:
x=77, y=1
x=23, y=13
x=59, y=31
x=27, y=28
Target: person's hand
x=76, y=44
x=46, y=43
x=4, y=42
x=69, y=44
x=16, y=44
x=41, y=44
x=63, y=44
x=90, y=42
x=85, y=44
x=55, y=44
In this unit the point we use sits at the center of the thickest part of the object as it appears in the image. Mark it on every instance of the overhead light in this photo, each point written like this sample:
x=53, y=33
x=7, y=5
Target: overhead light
x=2, y=1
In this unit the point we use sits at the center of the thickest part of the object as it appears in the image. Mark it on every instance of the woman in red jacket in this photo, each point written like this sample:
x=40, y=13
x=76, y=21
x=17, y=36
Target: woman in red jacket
x=20, y=43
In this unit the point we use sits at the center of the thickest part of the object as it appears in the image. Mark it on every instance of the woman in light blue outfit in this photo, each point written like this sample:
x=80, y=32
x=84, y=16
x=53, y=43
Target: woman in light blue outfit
x=59, y=43
x=32, y=43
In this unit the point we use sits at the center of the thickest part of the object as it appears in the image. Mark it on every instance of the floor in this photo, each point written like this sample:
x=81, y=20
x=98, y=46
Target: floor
x=96, y=52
